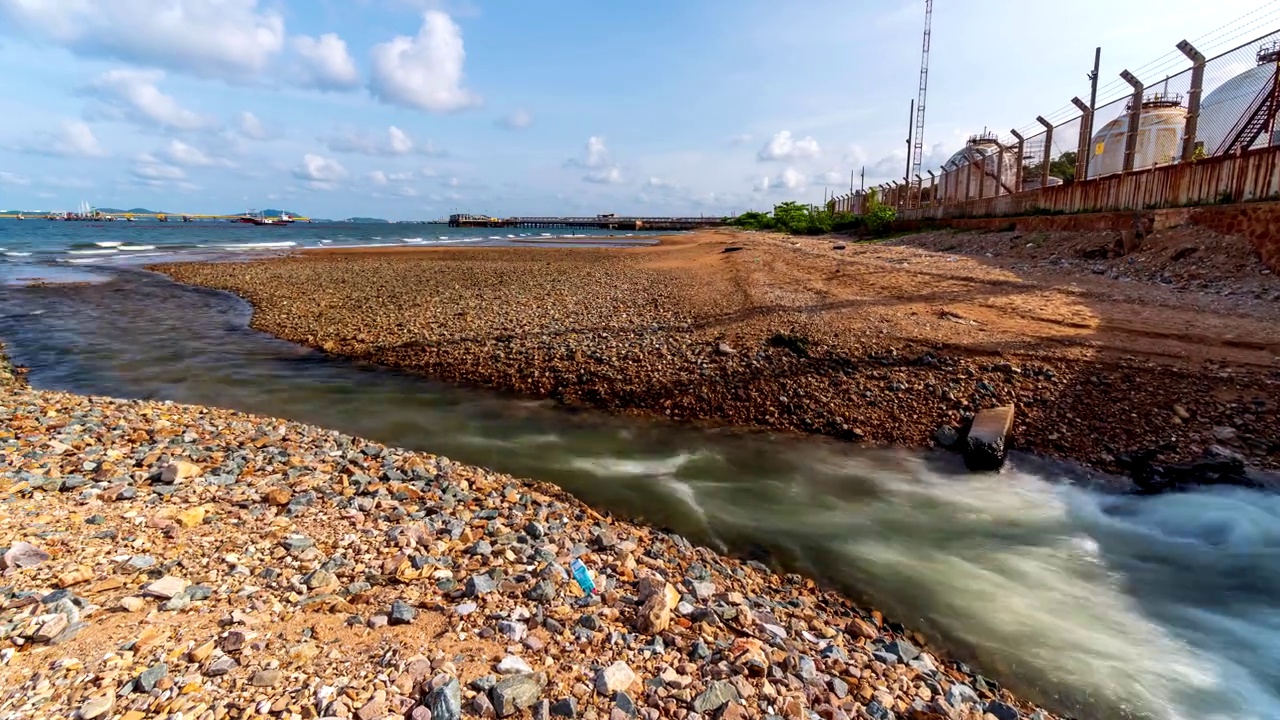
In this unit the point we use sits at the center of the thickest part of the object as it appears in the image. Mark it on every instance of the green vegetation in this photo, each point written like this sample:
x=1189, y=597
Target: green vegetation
x=1063, y=168
x=797, y=219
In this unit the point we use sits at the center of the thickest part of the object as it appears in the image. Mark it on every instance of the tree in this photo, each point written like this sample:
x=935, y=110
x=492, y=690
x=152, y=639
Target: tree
x=1063, y=168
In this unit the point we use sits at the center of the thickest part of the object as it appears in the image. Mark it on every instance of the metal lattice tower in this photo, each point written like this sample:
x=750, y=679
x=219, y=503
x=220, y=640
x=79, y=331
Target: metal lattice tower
x=917, y=148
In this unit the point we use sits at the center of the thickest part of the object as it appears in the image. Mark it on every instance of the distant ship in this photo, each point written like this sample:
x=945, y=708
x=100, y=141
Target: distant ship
x=253, y=218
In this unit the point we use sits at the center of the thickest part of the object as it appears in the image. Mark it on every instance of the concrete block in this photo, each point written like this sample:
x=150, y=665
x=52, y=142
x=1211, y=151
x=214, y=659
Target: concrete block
x=984, y=449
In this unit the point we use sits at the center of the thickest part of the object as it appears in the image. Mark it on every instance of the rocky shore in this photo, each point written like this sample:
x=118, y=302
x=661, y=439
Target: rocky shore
x=887, y=344
x=185, y=562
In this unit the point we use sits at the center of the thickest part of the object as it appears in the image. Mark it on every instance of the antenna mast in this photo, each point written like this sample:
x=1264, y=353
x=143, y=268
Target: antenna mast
x=917, y=149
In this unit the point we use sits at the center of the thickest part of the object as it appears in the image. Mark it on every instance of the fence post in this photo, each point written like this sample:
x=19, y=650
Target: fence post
x=933, y=189
x=1086, y=121
x=1048, y=151
x=1193, y=99
x=999, y=167
x=1022, y=146
x=1135, y=119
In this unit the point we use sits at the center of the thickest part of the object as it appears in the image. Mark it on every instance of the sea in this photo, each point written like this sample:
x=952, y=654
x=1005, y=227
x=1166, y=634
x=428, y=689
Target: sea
x=69, y=251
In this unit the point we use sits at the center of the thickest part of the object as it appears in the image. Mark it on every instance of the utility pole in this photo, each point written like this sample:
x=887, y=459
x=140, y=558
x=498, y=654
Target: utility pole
x=1093, y=106
x=915, y=154
x=862, y=184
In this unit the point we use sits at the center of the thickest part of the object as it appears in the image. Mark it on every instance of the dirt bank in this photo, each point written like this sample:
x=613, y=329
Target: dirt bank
x=882, y=342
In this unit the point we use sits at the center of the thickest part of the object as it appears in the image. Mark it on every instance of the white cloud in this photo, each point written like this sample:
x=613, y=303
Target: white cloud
x=599, y=161
x=400, y=176
x=251, y=127
x=181, y=153
x=517, y=120
x=324, y=62
x=133, y=95
x=321, y=172
x=656, y=182
x=604, y=176
x=73, y=139
x=831, y=177
x=741, y=139
x=396, y=142
x=785, y=148
x=158, y=171
x=377, y=177
x=788, y=179
x=423, y=72
x=8, y=178
x=211, y=38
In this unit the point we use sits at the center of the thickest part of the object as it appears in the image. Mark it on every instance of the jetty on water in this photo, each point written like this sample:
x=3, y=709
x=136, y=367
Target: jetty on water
x=601, y=222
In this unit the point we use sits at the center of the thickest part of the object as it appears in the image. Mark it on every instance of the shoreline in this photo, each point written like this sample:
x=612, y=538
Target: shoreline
x=236, y=590
x=784, y=336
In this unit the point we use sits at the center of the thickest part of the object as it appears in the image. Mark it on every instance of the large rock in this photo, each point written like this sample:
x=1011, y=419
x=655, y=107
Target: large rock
x=718, y=693
x=23, y=555
x=445, y=702
x=984, y=448
x=615, y=679
x=517, y=692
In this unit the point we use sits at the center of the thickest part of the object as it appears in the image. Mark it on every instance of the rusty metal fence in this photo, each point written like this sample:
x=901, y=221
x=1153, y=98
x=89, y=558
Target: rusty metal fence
x=1182, y=130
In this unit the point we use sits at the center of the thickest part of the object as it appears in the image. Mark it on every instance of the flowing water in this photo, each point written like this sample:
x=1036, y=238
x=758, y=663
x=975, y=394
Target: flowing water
x=1097, y=604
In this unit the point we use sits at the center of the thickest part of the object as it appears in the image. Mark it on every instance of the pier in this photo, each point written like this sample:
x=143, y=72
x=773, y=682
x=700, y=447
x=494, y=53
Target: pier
x=599, y=222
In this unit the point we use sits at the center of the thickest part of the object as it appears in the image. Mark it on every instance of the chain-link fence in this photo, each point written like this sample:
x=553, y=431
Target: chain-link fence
x=1173, y=114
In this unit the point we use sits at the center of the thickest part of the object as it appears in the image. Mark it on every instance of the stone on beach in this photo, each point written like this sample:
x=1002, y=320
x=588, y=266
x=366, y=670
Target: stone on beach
x=985, y=446
x=24, y=555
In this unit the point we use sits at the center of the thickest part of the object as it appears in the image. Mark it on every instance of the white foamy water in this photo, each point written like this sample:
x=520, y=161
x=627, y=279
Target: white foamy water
x=259, y=245
x=127, y=248
x=1118, y=606
x=102, y=251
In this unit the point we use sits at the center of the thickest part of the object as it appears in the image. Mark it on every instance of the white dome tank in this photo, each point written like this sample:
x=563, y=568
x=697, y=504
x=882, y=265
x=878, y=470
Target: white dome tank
x=973, y=169
x=1160, y=128
x=1222, y=108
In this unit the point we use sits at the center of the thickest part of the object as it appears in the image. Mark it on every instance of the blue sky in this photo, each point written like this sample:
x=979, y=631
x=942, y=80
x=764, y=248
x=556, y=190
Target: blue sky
x=414, y=109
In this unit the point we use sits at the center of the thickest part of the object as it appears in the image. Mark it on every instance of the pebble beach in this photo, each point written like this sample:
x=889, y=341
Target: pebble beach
x=185, y=562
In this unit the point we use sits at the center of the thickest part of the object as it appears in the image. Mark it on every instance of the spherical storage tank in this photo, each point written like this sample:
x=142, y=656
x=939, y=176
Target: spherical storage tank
x=1160, y=127
x=973, y=169
x=1224, y=105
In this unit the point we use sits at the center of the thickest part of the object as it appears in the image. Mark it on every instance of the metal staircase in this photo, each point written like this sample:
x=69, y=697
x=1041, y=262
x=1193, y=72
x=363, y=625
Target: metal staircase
x=1259, y=117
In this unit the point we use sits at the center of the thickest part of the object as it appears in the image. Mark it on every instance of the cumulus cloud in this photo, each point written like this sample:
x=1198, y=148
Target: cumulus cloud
x=660, y=183
x=519, y=119
x=250, y=126
x=782, y=147
x=423, y=72
x=377, y=177
x=598, y=161
x=149, y=169
x=395, y=142
x=210, y=38
x=180, y=153
x=9, y=178
x=788, y=179
x=324, y=62
x=73, y=139
x=321, y=172
x=133, y=95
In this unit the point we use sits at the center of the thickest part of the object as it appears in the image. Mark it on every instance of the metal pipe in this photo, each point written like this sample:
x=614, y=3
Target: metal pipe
x=1135, y=119
x=1022, y=145
x=1193, y=99
x=1048, y=151
x=1086, y=120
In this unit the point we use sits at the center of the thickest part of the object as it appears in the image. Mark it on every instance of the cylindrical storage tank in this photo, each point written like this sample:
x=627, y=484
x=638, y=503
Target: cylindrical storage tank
x=1224, y=105
x=1160, y=128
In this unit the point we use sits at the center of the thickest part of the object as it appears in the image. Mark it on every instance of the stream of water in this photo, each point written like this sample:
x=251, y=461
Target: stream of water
x=1097, y=604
